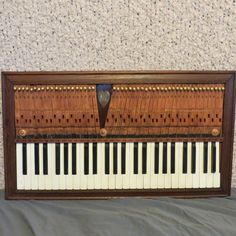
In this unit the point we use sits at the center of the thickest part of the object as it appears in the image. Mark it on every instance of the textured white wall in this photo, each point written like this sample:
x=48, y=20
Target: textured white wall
x=117, y=35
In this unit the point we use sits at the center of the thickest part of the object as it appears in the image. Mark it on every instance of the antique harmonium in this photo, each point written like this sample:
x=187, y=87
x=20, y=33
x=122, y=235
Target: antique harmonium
x=92, y=135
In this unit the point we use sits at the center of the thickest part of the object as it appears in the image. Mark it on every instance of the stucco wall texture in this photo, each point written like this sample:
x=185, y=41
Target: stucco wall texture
x=117, y=35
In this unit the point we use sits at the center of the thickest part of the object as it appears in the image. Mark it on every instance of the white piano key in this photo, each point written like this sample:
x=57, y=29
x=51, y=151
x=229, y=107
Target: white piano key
x=216, y=178
x=153, y=176
x=140, y=183
x=98, y=177
x=83, y=177
x=28, y=177
x=112, y=178
x=168, y=174
x=196, y=175
x=118, y=176
x=52, y=159
x=41, y=177
x=146, y=177
x=161, y=177
x=209, y=175
x=69, y=180
x=34, y=180
x=62, y=178
x=202, y=174
x=90, y=175
x=189, y=176
x=175, y=176
x=76, y=178
x=19, y=166
x=132, y=176
x=104, y=176
x=48, y=183
x=181, y=175
x=125, y=177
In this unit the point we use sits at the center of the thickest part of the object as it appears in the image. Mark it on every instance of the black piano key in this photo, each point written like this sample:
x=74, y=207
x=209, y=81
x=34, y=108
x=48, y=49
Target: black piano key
x=123, y=158
x=24, y=159
x=185, y=152
x=213, y=157
x=107, y=163
x=205, y=156
x=45, y=158
x=135, y=158
x=115, y=158
x=86, y=158
x=156, y=163
x=164, y=167
x=66, y=158
x=36, y=159
x=172, y=158
x=193, y=169
x=94, y=158
x=57, y=158
x=144, y=159
x=73, y=159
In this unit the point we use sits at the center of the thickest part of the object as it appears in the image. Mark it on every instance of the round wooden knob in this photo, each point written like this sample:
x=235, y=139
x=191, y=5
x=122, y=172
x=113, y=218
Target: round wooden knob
x=103, y=132
x=215, y=132
x=22, y=132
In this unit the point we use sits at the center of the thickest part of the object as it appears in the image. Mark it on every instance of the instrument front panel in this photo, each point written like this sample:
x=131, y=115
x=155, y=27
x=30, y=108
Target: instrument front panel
x=137, y=111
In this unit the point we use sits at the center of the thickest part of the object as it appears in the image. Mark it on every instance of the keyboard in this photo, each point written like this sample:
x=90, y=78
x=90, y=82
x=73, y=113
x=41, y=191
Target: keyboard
x=54, y=166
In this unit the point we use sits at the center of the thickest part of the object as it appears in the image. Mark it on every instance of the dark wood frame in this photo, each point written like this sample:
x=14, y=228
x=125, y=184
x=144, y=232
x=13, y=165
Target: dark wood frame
x=9, y=79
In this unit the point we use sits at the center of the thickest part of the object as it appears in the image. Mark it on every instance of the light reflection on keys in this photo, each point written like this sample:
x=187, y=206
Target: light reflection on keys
x=118, y=165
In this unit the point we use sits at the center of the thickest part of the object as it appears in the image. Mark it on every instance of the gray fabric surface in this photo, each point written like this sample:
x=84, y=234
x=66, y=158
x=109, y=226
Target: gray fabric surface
x=131, y=216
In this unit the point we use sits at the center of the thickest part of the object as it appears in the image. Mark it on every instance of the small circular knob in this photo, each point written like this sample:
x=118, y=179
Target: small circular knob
x=103, y=132
x=22, y=132
x=215, y=132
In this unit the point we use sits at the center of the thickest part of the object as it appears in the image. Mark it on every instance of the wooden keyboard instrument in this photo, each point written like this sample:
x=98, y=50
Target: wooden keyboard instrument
x=76, y=135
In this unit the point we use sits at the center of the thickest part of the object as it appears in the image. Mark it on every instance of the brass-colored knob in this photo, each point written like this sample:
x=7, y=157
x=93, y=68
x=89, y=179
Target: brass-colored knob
x=103, y=132
x=22, y=132
x=215, y=132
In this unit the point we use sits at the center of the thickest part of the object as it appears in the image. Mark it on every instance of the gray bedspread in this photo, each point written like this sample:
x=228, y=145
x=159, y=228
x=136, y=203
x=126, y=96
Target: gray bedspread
x=131, y=216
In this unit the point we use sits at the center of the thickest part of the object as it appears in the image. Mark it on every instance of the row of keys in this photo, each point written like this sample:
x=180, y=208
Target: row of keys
x=118, y=165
